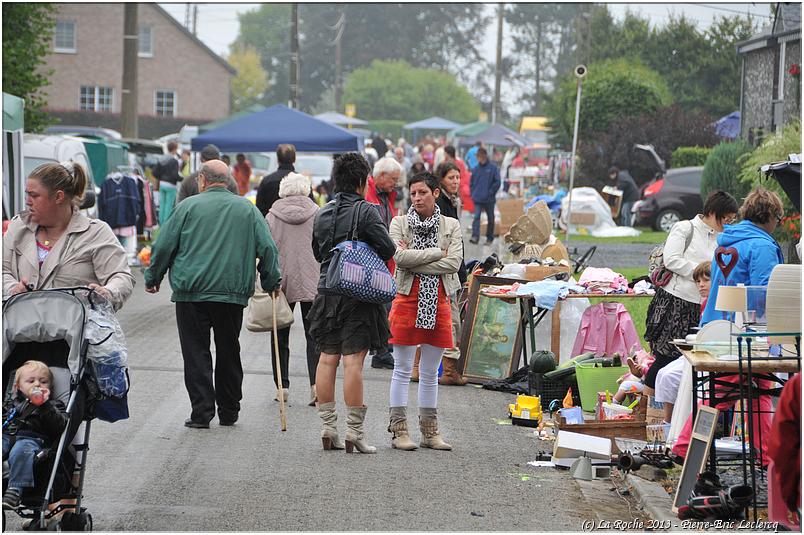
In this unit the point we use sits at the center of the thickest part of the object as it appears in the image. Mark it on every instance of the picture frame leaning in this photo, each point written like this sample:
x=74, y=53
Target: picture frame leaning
x=492, y=335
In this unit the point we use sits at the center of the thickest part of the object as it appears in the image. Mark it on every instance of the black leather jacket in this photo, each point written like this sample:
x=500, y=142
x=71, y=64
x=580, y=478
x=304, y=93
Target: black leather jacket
x=448, y=209
x=46, y=421
x=370, y=229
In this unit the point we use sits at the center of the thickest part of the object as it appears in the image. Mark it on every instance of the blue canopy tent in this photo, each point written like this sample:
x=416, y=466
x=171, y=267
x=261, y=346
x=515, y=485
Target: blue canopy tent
x=729, y=126
x=433, y=123
x=263, y=131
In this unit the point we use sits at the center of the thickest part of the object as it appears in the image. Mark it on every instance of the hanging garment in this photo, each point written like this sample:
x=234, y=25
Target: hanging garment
x=606, y=329
x=119, y=201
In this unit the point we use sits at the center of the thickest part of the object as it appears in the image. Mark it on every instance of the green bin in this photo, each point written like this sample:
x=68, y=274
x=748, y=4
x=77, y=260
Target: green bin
x=592, y=380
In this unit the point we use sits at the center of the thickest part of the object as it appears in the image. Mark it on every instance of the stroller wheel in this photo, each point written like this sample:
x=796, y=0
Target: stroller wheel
x=70, y=521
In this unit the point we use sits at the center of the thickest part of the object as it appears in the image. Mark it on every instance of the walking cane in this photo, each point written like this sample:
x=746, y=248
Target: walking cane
x=281, y=395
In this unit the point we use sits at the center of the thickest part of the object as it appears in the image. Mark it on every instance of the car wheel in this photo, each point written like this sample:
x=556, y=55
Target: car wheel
x=666, y=219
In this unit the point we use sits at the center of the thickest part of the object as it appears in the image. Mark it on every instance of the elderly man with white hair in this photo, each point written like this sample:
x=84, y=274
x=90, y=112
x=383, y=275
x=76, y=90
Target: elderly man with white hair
x=381, y=191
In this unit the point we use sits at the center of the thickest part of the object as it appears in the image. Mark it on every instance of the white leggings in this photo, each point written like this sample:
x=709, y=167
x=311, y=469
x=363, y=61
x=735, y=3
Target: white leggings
x=428, y=375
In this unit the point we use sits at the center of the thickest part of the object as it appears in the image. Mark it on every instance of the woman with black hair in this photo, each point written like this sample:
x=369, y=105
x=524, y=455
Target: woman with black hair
x=429, y=250
x=343, y=326
x=676, y=307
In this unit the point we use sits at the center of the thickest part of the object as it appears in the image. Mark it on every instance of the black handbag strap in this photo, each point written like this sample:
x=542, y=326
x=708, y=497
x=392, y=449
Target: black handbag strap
x=352, y=235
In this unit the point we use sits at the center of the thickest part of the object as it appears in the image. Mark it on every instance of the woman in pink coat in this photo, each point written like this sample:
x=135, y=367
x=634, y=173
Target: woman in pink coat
x=291, y=222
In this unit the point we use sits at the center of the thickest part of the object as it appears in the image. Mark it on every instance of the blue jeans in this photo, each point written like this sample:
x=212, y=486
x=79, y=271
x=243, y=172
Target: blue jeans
x=21, y=452
x=625, y=214
x=488, y=208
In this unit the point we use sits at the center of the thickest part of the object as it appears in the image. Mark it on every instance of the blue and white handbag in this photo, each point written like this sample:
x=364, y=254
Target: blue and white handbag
x=355, y=270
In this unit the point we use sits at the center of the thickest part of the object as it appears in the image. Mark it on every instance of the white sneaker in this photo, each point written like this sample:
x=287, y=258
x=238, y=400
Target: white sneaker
x=285, y=394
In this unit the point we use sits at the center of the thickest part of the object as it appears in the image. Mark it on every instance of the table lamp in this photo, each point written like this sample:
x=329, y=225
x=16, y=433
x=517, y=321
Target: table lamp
x=732, y=299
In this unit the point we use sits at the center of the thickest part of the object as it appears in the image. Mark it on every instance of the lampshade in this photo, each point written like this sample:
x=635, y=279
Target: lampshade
x=732, y=299
x=783, y=307
x=582, y=469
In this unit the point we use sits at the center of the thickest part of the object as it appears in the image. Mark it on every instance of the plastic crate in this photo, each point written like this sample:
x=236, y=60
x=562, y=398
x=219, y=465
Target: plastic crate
x=548, y=389
x=592, y=380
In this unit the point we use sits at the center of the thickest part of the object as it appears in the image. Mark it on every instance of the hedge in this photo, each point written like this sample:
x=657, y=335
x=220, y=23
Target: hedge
x=689, y=156
x=722, y=170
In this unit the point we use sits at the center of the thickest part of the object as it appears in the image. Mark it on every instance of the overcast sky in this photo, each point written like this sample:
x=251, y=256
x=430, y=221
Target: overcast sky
x=218, y=25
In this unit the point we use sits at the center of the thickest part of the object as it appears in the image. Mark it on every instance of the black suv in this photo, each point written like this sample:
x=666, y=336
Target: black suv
x=671, y=198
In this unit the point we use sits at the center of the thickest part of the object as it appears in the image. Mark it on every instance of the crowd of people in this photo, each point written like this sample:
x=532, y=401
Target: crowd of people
x=290, y=238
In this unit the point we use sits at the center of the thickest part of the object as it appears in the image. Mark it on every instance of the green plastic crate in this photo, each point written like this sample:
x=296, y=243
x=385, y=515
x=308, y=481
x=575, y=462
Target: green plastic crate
x=592, y=380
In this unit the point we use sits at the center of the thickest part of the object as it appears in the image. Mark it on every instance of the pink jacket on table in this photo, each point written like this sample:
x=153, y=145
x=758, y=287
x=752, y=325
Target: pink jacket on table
x=606, y=329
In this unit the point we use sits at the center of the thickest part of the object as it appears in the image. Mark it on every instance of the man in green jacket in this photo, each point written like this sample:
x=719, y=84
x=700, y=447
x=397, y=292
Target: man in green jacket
x=209, y=244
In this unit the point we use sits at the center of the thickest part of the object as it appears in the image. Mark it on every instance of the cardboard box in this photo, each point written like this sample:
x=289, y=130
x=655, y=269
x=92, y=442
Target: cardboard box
x=583, y=218
x=614, y=197
x=537, y=273
x=510, y=210
x=571, y=445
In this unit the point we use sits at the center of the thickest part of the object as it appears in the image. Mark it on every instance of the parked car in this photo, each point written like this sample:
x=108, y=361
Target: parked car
x=316, y=167
x=669, y=199
x=40, y=149
x=105, y=133
x=143, y=153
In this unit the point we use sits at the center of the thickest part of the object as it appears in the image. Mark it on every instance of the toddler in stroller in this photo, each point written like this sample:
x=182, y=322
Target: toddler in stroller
x=31, y=422
x=74, y=333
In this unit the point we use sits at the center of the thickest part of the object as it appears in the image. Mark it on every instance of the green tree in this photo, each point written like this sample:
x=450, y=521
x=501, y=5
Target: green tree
x=722, y=169
x=266, y=29
x=776, y=148
x=612, y=89
x=439, y=36
x=27, y=31
x=251, y=81
x=397, y=90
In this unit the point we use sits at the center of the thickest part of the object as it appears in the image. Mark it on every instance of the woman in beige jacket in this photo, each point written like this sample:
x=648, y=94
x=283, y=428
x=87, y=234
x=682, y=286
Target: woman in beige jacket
x=428, y=255
x=53, y=245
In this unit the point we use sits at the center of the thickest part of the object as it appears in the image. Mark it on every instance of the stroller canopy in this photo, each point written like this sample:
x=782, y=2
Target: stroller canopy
x=45, y=316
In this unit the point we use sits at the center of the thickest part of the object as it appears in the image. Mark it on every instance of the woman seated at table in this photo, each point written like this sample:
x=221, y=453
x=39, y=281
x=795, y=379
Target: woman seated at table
x=757, y=254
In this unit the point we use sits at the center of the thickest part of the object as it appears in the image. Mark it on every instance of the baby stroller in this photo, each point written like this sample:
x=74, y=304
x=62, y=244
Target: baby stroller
x=64, y=328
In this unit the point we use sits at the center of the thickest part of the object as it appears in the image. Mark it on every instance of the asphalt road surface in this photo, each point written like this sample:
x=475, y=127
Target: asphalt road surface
x=150, y=473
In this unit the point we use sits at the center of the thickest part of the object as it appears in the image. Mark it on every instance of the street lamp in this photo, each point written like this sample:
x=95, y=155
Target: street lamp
x=580, y=74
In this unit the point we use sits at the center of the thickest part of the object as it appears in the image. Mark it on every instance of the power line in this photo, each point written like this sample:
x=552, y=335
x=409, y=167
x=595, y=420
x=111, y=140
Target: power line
x=717, y=8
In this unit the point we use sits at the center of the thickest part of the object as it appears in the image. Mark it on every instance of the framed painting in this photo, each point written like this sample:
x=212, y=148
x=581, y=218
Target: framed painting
x=491, y=341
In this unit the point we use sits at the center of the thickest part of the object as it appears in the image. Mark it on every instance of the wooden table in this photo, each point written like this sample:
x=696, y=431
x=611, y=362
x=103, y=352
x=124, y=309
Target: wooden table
x=534, y=318
x=753, y=365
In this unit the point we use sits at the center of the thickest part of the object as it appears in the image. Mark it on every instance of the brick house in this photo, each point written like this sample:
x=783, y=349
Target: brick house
x=771, y=95
x=180, y=80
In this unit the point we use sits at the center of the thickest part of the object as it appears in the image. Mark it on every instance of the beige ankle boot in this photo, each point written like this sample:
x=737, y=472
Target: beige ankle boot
x=428, y=424
x=329, y=435
x=354, y=431
x=398, y=425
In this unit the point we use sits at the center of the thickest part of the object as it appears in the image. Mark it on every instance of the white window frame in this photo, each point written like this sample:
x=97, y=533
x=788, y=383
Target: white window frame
x=96, y=89
x=175, y=102
x=66, y=50
x=150, y=53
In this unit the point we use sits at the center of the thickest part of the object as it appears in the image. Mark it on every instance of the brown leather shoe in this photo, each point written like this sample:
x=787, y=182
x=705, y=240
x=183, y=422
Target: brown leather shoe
x=451, y=376
x=414, y=376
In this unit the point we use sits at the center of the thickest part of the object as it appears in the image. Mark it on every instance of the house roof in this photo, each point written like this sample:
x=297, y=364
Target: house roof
x=195, y=39
x=788, y=17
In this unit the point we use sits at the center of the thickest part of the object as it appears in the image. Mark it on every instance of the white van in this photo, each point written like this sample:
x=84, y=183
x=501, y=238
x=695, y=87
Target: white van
x=39, y=149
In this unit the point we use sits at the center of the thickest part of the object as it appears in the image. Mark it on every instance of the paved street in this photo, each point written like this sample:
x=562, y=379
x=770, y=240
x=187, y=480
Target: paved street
x=152, y=473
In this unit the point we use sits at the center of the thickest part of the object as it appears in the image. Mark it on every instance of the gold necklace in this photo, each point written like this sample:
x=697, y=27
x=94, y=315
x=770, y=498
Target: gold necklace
x=47, y=241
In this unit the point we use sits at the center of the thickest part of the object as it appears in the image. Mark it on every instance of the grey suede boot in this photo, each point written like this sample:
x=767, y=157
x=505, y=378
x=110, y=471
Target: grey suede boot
x=398, y=425
x=329, y=435
x=428, y=424
x=354, y=431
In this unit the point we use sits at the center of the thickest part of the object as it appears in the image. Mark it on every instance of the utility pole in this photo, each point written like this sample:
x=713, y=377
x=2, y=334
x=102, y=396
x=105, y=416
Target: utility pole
x=340, y=26
x=195, y=17
x=495, y=106
x=294, y=56
x=128, y=111
x=536, y=100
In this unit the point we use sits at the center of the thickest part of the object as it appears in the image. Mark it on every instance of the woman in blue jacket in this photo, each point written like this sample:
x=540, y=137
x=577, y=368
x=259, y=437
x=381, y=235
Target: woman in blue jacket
x=757, y=255
x=757, y=251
